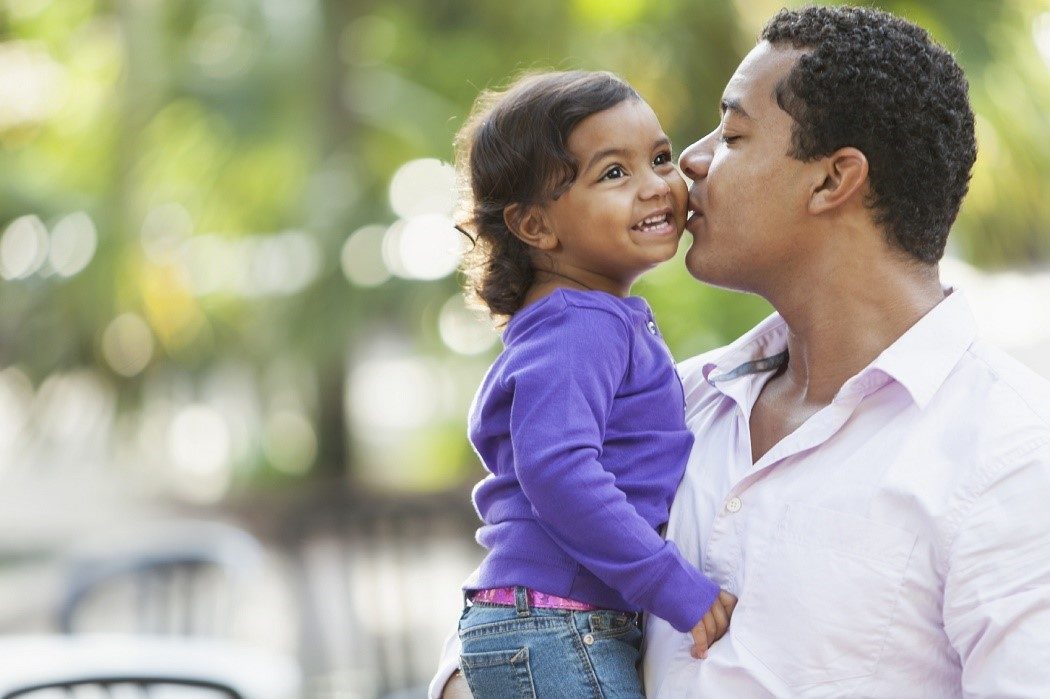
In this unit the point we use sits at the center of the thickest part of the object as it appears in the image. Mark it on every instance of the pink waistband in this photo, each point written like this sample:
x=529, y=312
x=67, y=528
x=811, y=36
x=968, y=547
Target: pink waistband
x=505, y=596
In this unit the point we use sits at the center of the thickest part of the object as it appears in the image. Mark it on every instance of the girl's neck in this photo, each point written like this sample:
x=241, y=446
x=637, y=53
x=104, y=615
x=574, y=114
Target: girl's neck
x=549, y=281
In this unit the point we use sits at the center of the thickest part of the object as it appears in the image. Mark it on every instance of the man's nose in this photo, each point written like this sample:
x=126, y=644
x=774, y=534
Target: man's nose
x=696, y=159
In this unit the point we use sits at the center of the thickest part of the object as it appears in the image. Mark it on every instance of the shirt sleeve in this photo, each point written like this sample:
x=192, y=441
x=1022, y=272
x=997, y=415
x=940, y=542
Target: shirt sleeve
x=997, y=589
x=447, y=665
x=563, y=391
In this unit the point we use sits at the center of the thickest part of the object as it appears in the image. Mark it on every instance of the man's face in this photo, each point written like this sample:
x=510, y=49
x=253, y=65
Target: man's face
x=748, y=195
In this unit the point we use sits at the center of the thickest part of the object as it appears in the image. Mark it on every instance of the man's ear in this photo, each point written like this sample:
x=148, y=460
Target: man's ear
x=845, y=172
x=529, y=225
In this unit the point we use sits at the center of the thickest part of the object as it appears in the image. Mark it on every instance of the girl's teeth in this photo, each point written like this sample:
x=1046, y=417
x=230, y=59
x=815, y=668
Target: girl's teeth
x=653, y=222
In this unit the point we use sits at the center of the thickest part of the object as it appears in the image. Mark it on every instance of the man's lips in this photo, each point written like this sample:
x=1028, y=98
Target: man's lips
x=693, y=209
x=693, y=214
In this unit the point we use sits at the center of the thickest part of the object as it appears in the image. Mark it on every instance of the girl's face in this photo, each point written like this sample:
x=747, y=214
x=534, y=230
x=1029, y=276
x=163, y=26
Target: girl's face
x=625, y=212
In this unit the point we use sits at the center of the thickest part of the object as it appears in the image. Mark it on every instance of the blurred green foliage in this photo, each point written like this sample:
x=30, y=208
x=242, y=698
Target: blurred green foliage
x=254, y=117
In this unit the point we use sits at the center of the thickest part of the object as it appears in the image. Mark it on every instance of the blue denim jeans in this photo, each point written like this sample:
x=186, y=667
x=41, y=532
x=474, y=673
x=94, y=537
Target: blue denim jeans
x=525, y=652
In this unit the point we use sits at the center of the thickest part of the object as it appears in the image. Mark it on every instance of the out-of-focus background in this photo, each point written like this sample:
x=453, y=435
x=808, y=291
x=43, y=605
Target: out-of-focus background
x=235, y=363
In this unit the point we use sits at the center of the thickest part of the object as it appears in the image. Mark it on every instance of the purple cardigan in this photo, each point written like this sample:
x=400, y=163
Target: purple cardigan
x=580, y=421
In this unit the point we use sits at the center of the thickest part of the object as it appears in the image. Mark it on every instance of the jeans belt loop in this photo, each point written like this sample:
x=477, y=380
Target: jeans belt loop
x=521, y=600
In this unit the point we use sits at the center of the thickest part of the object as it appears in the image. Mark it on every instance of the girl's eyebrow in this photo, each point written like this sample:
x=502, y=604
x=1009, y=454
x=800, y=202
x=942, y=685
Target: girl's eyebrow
x=622, y=152
x=605, y=153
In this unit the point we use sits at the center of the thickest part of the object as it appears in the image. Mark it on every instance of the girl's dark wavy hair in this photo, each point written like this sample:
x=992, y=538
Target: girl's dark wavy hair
x=514, y=150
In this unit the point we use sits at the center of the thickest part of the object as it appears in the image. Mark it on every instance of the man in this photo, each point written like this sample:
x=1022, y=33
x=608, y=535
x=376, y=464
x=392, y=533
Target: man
x=869, y=477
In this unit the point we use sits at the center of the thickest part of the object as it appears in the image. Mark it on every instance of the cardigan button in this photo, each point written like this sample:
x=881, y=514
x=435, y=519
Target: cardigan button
x=652, y=327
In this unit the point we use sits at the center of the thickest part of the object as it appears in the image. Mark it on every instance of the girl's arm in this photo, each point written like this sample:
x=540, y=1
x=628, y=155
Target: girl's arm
x=563, y=392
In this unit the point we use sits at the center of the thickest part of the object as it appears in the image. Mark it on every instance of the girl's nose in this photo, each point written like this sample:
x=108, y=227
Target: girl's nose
x=655, y=186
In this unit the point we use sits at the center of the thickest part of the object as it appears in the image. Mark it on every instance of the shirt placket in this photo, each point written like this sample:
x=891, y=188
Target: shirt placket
x=723, y=547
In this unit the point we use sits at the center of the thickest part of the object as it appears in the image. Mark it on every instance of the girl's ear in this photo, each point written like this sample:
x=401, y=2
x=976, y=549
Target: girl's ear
x=844, y=174
x=529, y=225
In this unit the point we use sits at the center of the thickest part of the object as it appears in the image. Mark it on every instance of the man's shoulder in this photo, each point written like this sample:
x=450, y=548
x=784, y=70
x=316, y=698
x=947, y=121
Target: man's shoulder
x=1010, y=390
x=995, y=406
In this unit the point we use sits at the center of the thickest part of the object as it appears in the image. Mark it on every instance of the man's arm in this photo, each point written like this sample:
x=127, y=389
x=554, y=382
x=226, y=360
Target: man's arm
x=456, y=688
x=997, y=589
x=448, y=682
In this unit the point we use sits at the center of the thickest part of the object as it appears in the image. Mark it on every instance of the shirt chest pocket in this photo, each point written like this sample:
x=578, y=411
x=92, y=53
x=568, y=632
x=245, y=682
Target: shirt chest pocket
x=819, y=597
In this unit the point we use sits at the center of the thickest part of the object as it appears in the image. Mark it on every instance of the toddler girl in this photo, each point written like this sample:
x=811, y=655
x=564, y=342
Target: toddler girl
x=573, y=194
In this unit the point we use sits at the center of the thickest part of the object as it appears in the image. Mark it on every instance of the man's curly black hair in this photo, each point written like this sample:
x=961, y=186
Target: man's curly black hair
x=878, y=83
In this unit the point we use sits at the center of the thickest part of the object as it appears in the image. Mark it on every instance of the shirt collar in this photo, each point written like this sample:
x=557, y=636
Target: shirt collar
x=920, y=359
x=759, y=351
x=755, y=351
x=923, y=357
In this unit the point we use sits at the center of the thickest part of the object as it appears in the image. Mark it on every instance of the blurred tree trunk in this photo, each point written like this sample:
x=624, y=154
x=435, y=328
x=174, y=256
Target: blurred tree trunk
x=335, y=442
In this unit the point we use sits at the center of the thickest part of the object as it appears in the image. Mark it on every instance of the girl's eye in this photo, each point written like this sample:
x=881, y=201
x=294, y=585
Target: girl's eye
x=614, y=173
x=663, y=159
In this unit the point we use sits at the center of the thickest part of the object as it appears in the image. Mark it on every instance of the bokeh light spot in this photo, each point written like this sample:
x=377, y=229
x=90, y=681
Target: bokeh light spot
x=425, y=186
x=73, y=244
x=392, y=394
x=362, y=257
x=464, y=330
x=127, y=344
x=23, y=247
x=425, y=247
x=199, y=446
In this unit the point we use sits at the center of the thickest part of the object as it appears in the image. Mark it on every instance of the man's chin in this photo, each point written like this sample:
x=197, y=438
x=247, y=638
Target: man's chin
x=695, y=262
x=699, y=265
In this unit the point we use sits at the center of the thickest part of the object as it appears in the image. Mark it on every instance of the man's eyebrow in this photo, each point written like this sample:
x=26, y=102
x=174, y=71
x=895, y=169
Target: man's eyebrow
x=732, y=104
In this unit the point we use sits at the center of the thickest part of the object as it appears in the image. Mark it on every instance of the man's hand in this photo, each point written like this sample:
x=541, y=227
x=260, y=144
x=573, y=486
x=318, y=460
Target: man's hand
x=456, y=687
x=713, y=625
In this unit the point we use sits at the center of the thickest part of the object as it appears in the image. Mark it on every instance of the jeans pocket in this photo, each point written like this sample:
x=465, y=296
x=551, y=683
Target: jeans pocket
x=613, y=645
x=501, y=674
x=607, y=624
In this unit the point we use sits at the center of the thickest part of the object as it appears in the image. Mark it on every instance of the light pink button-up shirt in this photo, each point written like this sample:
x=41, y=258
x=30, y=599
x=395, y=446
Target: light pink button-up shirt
x=897, y=544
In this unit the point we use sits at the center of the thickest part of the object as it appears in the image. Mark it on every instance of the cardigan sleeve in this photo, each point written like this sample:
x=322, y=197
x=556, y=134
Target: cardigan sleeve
x=563, y=383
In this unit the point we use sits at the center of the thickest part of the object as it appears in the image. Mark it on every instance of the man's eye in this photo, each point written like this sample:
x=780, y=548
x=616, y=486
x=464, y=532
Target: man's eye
x=729, y=140
x=614, y=173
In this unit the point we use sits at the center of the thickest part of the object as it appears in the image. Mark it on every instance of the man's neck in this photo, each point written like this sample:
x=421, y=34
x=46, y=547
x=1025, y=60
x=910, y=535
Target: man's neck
x=843, y=319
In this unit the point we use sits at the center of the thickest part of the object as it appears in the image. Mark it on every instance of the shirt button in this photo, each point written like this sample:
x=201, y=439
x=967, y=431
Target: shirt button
x=588, y=639
x=733, y=506
x=652, y=327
